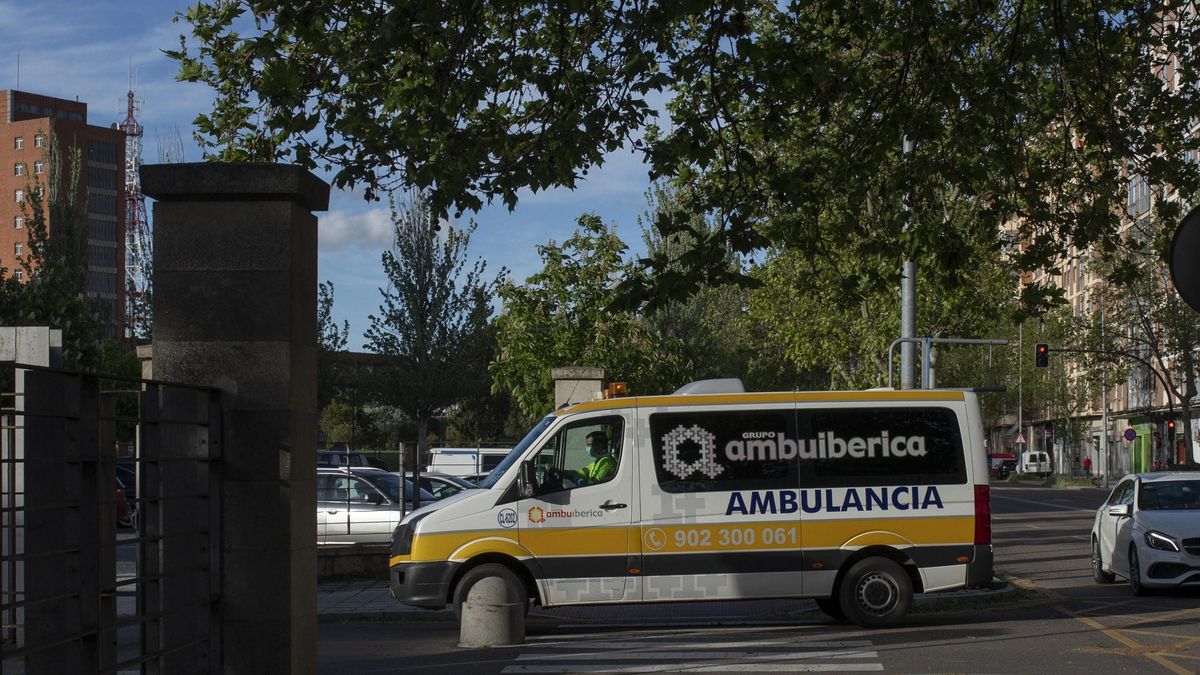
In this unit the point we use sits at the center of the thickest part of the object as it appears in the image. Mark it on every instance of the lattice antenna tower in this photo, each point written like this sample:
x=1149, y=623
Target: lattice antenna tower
x=138, y=247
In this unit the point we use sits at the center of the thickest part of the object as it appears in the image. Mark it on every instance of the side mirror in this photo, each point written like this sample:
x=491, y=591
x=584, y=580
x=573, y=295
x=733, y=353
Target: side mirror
x=528, y=478
x=1119, y=510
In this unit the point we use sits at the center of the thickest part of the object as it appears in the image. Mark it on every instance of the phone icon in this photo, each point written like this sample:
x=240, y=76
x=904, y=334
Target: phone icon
x=655, y=539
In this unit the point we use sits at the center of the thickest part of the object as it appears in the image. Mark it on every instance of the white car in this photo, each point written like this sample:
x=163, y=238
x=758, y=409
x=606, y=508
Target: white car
x=1148, y=531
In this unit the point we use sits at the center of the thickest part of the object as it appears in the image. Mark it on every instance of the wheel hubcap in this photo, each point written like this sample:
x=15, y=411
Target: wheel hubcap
x=877, y=593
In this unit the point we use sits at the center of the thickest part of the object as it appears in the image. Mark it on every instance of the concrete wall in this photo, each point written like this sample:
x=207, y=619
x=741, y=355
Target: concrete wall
x=235, y=278
x=576, y=384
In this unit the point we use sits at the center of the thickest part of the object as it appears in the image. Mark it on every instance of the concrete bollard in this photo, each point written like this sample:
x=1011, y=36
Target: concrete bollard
x=491, y=617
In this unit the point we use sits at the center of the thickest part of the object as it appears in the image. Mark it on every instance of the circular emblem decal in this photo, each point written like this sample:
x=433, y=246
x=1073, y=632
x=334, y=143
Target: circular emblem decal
x=507, y=518
x=537, y=515
x=655, y=539
x=706, y=463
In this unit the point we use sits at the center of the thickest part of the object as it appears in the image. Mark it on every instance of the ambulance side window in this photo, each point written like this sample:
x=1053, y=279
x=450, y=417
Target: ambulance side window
x=847, y=447
x=719, y=450
x=581, y=454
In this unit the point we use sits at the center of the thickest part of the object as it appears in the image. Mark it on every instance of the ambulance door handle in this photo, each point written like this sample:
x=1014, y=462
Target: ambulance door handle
x=609, y=506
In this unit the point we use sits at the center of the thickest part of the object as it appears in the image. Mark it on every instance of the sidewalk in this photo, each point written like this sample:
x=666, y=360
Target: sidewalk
x=370, y=600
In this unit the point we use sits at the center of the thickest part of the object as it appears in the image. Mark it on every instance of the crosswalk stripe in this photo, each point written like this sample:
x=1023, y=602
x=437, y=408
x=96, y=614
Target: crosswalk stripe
x=666, y=642
x=663, y=656
x=704, y=667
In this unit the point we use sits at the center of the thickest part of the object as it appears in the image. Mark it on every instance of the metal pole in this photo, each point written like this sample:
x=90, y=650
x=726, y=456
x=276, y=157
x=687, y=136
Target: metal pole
x=908, y=304
x=1020, y=391
x=1104, y=451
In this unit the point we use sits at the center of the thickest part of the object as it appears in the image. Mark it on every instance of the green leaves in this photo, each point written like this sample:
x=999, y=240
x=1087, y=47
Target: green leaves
x=784, y=121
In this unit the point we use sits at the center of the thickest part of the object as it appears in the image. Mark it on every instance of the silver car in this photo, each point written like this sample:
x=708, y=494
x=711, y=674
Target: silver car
x=441, y=485
x=1148, y=531
x=360, y=505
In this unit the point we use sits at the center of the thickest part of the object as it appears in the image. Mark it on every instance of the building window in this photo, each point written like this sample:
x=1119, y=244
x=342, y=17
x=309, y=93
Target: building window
x=39, y=166
x=18, y=222
x=19, y=195
x=18, y=143
x=18, y=169
x=18, y=274
x=39, y=141
x=18, y=249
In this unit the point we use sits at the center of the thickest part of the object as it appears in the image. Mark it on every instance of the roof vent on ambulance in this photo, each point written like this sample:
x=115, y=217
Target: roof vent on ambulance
x=725, y=385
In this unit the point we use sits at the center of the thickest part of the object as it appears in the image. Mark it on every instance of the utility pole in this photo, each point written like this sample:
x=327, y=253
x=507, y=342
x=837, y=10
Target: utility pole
x=1020, y=390
x=908, y=301
x=1104, y=451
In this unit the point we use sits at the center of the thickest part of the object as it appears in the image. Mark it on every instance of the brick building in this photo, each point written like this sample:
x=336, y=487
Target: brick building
x=26, y=121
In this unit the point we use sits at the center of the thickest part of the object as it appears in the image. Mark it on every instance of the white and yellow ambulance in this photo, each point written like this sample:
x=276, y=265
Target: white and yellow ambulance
x=855, y=499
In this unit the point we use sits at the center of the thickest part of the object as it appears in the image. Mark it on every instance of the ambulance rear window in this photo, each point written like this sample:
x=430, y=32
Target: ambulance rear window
x=781, y=449
x=882, y=446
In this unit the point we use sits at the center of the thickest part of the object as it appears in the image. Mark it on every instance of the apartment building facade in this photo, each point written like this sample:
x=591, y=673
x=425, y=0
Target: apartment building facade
x=1143, y=428
x=26, y=123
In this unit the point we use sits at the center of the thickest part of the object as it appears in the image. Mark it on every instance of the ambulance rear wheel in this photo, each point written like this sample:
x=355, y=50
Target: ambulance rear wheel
x=876, y=593
x=831, y=608
x=516, y=588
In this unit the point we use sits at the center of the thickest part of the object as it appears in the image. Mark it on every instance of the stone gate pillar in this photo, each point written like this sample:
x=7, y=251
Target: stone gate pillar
x=235, y=282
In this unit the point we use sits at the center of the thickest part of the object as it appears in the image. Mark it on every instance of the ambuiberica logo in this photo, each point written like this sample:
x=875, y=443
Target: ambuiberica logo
x=539, y=515
x=771, y=445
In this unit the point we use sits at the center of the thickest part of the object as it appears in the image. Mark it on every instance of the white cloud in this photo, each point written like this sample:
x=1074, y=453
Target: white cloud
x=370, y=229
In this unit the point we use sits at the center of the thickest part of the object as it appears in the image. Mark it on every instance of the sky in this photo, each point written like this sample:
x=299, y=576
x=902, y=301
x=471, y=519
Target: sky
x=94, y=50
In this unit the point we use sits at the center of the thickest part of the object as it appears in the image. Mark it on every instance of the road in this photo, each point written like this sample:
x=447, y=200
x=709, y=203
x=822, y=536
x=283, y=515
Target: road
x=1058, y=621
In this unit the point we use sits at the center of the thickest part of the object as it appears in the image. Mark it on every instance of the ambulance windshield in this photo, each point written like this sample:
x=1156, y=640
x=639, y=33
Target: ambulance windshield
x=516, y=452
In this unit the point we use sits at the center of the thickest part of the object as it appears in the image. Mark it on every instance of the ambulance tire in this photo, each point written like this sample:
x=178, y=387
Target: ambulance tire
x=876, y=593
x=516, y=588
x=831, y=608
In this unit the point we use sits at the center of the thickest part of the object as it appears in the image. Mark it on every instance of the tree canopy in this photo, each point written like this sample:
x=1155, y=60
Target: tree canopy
x=785, y=121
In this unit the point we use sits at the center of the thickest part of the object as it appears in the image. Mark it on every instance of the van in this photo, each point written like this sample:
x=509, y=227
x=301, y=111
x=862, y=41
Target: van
x=1035, y=462
x=855, y=499
x=465, y=461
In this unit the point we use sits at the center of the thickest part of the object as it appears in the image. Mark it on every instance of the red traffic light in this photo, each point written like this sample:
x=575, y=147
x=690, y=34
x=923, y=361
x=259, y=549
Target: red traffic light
x=1041, y=355
x=1171, y=425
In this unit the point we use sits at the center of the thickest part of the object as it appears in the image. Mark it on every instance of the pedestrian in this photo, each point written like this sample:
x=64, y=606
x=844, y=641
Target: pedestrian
x=1087, y=466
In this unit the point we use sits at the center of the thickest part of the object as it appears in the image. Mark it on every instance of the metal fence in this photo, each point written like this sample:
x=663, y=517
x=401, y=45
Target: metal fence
x=109, y=523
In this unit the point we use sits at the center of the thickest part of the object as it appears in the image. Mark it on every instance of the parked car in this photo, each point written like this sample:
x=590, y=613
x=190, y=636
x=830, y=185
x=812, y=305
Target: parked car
x=357, y=505
x=1148, y=531
x=442, y=485
x=336, y=458
x=127, y=480
x=122, y=507
x=1006, y=468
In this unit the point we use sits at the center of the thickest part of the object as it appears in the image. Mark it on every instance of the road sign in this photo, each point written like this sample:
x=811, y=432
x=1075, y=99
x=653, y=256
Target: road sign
x=1130, y=434
x=1021, y=437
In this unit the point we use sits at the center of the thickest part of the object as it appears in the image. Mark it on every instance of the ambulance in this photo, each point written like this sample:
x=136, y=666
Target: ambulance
x=856, y=499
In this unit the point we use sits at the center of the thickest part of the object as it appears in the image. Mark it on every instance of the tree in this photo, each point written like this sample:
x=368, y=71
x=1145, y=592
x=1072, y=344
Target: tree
x=715, y=334
x=784, y=120
x=54, y=293
x=431, y=321
x=333, y=378
x=1157, y=333
x=563, y=316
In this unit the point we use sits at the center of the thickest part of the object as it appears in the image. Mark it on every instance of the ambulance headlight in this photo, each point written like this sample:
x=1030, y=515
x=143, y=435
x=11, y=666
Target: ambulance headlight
x=402, y=536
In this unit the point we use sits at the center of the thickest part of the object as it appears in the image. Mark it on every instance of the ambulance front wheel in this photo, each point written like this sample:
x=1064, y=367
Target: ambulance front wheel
x=516, y=588
x=876, y=593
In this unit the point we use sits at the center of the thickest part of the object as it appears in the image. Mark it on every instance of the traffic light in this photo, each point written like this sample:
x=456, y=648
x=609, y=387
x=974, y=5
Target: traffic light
x=1041, y=355
x=1170, y=429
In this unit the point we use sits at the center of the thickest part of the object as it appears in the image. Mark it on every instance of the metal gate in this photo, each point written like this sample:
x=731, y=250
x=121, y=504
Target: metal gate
x=109, y=523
